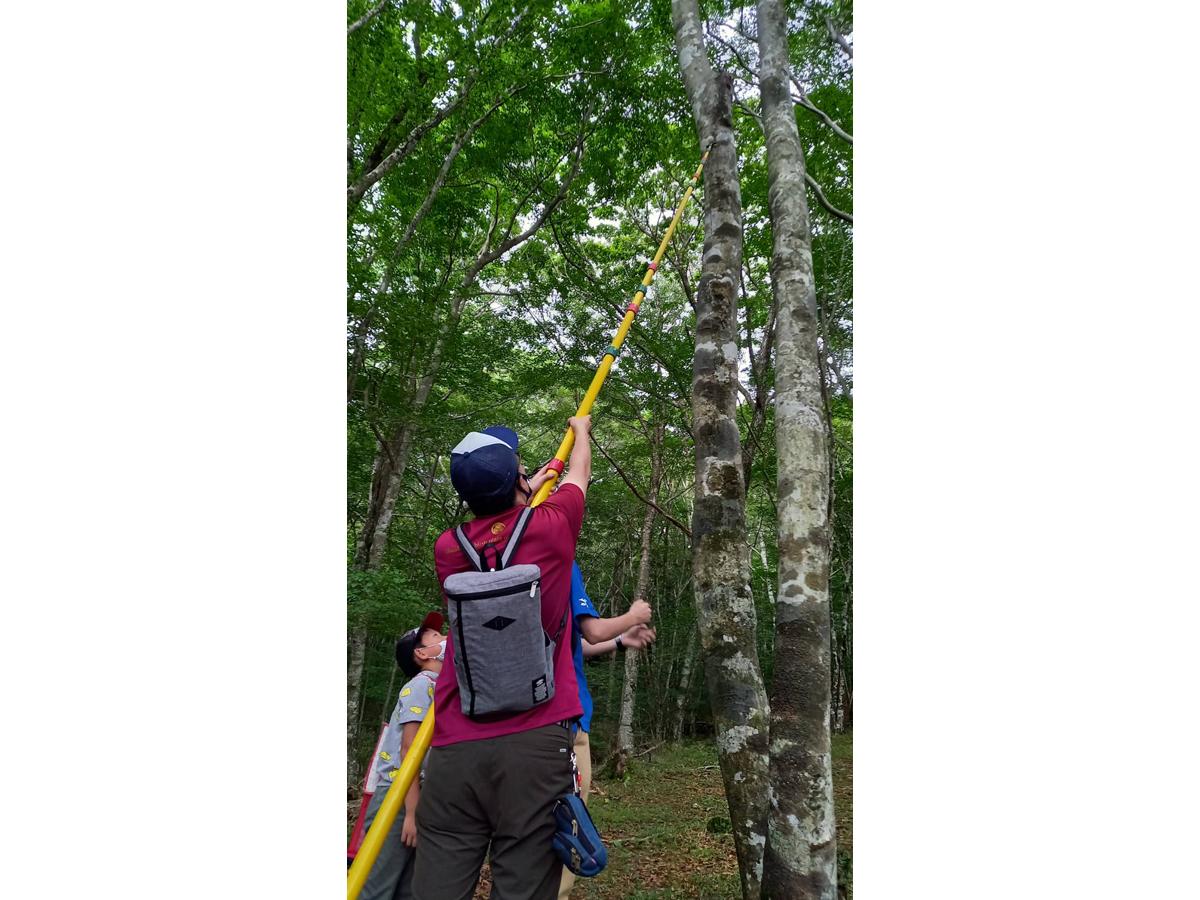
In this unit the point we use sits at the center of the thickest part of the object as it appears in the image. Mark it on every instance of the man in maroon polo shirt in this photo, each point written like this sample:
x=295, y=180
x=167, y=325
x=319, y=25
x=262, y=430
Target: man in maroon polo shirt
x=493, y=780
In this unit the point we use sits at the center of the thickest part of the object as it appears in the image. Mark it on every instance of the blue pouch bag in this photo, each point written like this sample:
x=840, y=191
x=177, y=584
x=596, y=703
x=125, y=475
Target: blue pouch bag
x=576, y=840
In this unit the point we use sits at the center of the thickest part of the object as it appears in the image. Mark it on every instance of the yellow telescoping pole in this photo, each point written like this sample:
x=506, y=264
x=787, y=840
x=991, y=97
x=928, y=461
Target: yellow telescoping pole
x=367, y=853
x=564, y=449
x=369, y=849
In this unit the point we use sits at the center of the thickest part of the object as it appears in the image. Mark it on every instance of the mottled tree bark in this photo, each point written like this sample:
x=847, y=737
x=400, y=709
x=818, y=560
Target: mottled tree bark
x=801, y=856
x=720, y=557
x=625, y=737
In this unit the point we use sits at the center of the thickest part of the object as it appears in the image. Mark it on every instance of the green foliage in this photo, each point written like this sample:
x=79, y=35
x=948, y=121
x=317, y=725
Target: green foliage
x=533, y=324
x=388, y=600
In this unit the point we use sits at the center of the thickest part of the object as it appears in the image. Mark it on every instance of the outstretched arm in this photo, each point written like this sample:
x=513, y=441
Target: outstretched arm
x=598, y=630
x=579, y=471
x=635, y=638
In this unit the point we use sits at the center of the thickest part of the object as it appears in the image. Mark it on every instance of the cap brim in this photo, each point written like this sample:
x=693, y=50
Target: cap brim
x=434, y=620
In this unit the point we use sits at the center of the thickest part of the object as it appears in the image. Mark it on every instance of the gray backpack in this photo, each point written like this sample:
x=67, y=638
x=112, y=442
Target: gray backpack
x=503, y=657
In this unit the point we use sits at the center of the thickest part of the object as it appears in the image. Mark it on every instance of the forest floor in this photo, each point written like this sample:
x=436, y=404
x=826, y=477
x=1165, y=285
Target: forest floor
x=666, y=826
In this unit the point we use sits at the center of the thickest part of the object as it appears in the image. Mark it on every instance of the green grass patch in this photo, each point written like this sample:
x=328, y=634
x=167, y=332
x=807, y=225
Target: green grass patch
x=658, y=825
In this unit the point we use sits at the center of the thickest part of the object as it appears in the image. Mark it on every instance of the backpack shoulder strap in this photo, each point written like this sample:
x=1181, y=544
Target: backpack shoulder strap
x=515, y=539
x=467, y=548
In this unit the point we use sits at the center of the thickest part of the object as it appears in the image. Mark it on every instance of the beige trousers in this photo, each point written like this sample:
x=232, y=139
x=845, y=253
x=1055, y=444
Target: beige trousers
x=583, y=758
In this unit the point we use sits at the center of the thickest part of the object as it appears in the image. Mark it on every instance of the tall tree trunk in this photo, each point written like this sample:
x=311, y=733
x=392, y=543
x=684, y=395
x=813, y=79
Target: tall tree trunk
x=801, y=856
x=391, y=460
x=355, y=656
x=625, y=741
x=720, y=558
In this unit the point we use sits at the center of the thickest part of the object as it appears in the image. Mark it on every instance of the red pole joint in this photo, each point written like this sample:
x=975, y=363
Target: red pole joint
x=653, y=267
x=555, y=465
x=632, y=307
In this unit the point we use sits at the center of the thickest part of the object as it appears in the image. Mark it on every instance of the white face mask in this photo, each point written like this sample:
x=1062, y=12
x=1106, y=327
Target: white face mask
x=441, y=651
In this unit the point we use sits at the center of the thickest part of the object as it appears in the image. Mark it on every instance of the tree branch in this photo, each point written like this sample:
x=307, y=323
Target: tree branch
x=354, y=26
x=459, y=143
x=829, y=207
x=838, y=37
x=554, y=203
x=666, y=515
x=802, y=99
x=819, y=113
x=356, y=191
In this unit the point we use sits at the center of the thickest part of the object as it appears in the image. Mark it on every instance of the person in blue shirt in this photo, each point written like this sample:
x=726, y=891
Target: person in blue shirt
x=593, y=636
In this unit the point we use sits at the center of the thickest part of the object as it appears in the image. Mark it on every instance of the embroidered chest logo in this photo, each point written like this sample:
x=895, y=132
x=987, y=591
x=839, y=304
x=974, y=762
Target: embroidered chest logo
x=498, y=528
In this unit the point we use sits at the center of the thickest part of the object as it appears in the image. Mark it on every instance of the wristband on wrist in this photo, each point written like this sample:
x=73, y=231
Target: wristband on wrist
x=617, y=640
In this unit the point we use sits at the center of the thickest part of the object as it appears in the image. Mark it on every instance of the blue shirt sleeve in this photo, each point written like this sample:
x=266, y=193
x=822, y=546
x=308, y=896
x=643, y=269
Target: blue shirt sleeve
x=581, y=603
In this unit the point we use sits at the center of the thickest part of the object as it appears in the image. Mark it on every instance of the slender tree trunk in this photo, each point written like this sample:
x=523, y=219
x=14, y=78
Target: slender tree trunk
x=625, y=723
x=685, y=686
x=387, y=700
x=362, y=689
x=801, y=855
x=391, y=462
x=762, y=557
x=625, y=739
x=356, y=654
x=846, y=660
x=615, y=586
x=720, y=558
x=835, y=694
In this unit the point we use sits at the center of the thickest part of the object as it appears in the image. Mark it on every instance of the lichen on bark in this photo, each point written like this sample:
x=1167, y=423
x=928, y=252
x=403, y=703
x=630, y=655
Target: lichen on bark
x=720, y=553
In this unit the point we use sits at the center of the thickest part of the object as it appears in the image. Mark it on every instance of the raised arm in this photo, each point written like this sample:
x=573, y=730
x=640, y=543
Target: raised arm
x=579, y=467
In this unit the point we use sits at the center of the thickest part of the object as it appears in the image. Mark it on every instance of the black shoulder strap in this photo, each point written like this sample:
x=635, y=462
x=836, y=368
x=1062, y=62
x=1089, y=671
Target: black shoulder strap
x=461, y=537
x=515, y=538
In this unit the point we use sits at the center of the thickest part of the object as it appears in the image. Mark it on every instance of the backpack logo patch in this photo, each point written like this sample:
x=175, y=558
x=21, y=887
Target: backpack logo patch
x=498, y=623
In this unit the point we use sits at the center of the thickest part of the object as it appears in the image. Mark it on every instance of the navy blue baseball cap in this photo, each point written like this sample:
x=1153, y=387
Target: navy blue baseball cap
x=484, y=463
